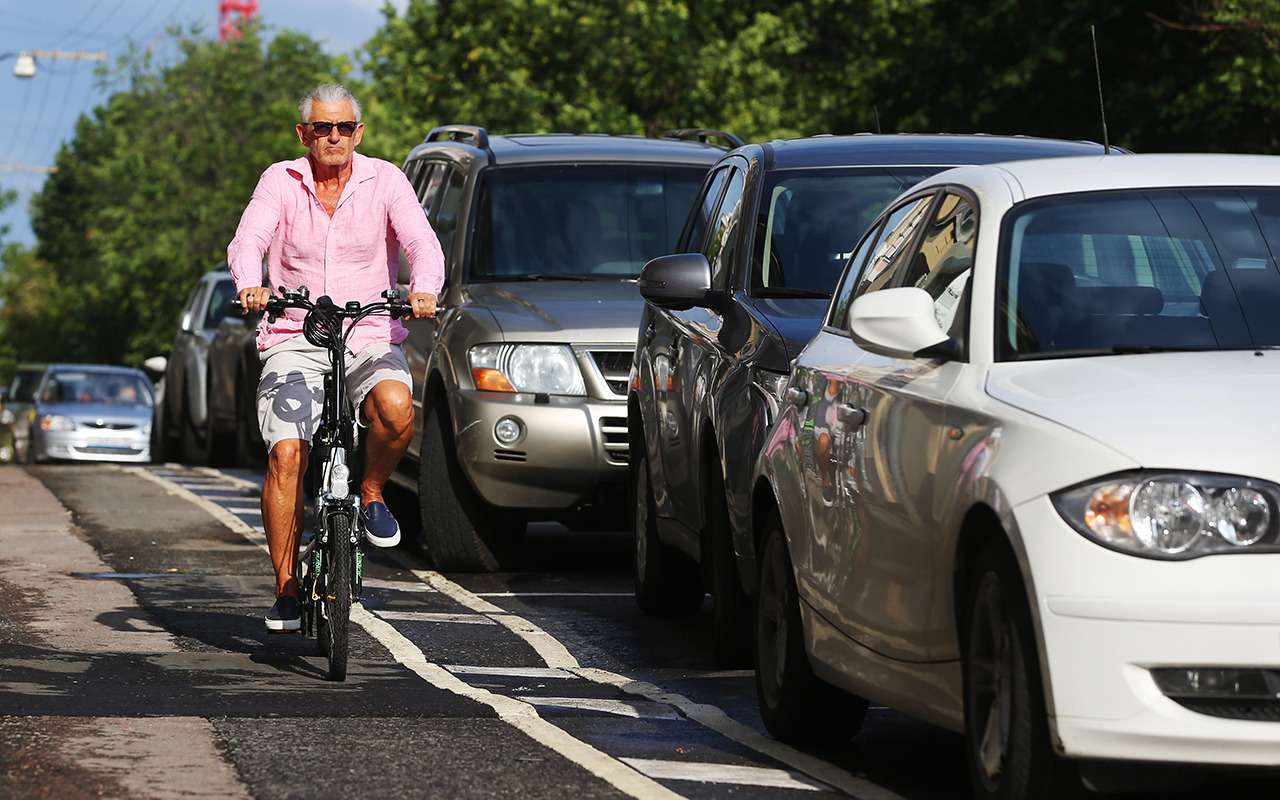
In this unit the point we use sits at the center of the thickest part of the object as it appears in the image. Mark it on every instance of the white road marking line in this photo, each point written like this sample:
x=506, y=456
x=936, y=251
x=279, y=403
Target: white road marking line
x=721, y=673
x=510, y=672
x=554, y=594
x=396, y=586
x=519, y=715
x=620, y=708
x=556, y=655
x=432, y=616
x=723, y=773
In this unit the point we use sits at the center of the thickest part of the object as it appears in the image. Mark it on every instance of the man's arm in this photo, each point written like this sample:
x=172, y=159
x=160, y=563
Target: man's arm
x=253, y=237
x=421, y=247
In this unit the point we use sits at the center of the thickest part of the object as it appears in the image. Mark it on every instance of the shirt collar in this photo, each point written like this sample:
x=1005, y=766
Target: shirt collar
x=361, y=170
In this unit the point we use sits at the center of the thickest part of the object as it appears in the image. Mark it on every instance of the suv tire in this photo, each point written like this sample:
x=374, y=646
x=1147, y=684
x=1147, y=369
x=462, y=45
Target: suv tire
x=1007, y=692
x=194, y=451
x=460, y=532
x=797, y=706
x=221, y=446
x=667, y=583
x=732, y=612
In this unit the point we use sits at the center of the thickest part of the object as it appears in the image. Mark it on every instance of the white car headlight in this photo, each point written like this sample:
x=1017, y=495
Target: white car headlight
x=56, y=422
x=536, y=368
x=7, y=417
x=1174, y=515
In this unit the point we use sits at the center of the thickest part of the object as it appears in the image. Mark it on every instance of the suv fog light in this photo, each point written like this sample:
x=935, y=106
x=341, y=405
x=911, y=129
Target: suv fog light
x=507, y=431
x=1218, y=682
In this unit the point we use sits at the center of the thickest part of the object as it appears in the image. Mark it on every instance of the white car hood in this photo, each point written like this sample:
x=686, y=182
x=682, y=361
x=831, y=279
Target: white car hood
x=1211, y=412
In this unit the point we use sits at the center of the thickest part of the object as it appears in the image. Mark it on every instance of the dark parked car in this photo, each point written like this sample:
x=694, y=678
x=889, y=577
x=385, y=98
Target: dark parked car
x=17, y=411
x=234, y=369
x=756, y=264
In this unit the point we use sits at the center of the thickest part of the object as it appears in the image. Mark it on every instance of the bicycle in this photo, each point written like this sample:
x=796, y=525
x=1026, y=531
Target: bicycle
x=330, y=567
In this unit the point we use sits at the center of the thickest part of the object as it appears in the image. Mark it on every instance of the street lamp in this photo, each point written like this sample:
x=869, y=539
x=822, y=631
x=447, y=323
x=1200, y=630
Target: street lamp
x=25, y=65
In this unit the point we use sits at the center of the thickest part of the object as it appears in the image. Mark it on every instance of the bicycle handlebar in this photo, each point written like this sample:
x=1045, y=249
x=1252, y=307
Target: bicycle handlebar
x=276, y=305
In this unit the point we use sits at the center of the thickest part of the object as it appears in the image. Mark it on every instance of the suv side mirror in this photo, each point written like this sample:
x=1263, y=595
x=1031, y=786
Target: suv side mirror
x=677, y=282
x=899, y=323
x=185, y=324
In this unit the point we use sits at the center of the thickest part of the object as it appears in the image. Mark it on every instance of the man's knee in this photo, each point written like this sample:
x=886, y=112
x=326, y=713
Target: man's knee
x=392, y=405
x=287, y=458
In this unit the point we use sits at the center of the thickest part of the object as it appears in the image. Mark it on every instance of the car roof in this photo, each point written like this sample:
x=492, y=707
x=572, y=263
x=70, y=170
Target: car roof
x=936, y=149
x=1102, y=173
x=533, y=148
x=106, y=368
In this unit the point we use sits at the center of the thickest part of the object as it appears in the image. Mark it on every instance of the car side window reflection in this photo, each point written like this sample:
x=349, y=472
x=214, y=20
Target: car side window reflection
x=705, y=211
x=888, y=258
x=943, y=263
x=720, y=242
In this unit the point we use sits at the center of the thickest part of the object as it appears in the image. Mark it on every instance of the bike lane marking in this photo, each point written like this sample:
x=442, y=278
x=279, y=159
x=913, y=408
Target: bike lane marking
x=556, y=656
x=522, y=716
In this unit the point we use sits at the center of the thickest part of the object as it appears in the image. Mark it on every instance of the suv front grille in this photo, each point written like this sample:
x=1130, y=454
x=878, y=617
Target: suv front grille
x=615, y=368
x=613, y=432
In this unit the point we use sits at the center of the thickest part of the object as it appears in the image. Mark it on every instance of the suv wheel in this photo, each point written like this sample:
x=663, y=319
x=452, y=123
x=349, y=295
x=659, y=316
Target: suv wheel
x=460, y=532
x=1006, y=729
x=796, y=706
x=221, y=446
x=194, y=451
x=250, y=450
x=667, y=583
x=732, y=610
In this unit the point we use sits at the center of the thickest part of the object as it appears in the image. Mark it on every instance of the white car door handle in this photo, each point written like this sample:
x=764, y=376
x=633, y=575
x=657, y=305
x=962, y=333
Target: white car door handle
x=852, y=416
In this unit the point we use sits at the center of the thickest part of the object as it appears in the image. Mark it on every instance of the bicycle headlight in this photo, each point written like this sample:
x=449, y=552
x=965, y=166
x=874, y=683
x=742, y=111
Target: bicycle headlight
x=57, y=422
x=536, y=368
x=1175, y=515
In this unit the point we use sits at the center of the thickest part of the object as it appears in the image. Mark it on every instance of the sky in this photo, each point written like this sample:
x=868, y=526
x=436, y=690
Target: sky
x=41, y=111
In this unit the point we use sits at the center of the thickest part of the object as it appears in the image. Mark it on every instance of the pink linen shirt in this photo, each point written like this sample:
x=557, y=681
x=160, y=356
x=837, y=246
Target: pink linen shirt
x=352, y=256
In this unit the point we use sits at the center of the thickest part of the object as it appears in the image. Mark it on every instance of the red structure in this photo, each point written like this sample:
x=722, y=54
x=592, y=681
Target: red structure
x=231, y=13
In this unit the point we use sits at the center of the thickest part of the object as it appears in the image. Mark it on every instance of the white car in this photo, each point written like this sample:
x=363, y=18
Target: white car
x=1025, y=483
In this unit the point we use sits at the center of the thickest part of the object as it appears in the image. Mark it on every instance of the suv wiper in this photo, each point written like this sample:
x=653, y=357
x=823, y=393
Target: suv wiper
x=784, y=291
x=544, y=276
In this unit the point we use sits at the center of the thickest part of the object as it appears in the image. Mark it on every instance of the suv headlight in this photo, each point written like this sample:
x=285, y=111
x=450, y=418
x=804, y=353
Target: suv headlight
x=1174, y=515
x=537, y=368
x=56, y=422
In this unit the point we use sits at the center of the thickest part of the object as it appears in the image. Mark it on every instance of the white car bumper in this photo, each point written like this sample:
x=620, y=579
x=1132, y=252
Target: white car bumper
x=1109, y=618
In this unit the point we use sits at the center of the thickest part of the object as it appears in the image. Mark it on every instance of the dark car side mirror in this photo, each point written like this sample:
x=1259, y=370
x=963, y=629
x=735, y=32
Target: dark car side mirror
x=677, y=282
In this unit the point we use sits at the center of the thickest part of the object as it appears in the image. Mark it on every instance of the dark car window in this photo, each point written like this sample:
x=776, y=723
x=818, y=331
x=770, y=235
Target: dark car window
x=721, y=240
x=889, y=256
x=583, y=221
x=839, y=314
x=422, y=183
x=65, y=386
x=22, y=389
x=809, y=220
x=943, y=263
x=1102, y=273
x=447, y=209
x=219, y=303
x=700, y=218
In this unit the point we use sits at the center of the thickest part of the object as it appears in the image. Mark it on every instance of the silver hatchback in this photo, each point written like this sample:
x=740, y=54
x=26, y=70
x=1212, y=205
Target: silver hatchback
x=89, y=412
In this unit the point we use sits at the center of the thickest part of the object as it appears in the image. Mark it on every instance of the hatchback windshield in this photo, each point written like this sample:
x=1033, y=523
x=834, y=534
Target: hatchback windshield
x=112, y=388
x=810, y=219
x=580, y=222
x=1137, y=271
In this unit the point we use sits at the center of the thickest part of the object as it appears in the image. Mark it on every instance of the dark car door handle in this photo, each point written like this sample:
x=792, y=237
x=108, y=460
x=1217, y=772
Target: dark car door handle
x=797, y=396
x=852, y=416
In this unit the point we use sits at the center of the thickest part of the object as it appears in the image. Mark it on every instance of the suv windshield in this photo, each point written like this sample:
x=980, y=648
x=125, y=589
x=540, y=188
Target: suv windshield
x=1139, y=271
x=112, y=388
x=579, y=222
x=810, y=219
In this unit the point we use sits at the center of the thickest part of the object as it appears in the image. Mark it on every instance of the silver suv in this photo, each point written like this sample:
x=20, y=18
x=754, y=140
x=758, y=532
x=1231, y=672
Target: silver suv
x=521, y=382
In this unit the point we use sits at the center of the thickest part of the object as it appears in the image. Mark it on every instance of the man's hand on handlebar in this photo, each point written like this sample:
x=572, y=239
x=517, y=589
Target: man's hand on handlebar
x=423, y=305
x=254, y=299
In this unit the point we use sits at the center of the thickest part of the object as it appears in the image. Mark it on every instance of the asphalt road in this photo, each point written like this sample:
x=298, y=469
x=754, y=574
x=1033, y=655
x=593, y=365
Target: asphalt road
x=134, y=662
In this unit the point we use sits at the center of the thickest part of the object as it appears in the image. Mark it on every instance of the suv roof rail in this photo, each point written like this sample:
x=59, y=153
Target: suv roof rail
x=459, y=133
x=704, y=135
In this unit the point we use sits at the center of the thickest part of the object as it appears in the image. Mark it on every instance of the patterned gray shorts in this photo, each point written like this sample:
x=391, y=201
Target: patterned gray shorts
x=291, y=390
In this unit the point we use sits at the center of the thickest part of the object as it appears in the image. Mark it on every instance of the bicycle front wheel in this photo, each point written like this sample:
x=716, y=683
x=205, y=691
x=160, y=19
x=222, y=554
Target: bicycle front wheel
x=336, y=612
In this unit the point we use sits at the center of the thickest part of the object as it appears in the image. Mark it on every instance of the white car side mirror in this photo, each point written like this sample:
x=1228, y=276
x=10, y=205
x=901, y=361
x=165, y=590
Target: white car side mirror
x=156, y=364
x=899, y=323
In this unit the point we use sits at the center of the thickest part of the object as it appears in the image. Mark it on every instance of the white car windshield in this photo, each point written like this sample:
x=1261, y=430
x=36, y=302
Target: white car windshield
x=110, y=388
x=1139, y=271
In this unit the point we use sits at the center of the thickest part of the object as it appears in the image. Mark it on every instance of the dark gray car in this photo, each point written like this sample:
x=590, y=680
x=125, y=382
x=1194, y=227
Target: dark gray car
x=520, y=384
x=758, y=260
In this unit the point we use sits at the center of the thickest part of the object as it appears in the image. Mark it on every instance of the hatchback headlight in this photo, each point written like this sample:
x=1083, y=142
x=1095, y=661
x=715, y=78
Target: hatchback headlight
x=7, y=417
x=57, y=422
x=1174, y=515
x=537, y=368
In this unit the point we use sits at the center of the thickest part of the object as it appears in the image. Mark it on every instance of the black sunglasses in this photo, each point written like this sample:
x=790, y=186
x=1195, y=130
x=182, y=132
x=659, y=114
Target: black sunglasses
x=325, y=128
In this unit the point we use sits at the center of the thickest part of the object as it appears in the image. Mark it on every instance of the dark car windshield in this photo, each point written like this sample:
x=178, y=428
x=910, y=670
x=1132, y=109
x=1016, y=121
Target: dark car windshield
x=810, y=219
x=23, y=387
x=112, y=388
x=1140, y=271
x=574, y=222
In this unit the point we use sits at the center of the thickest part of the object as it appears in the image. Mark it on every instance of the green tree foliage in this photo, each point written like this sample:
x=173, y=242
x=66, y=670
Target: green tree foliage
x=148, y=193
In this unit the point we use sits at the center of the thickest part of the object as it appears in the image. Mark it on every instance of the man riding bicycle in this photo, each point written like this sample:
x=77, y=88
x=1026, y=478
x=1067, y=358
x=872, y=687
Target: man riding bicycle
x=332, y=221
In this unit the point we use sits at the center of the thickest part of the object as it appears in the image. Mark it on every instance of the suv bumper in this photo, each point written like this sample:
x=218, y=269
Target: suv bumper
x=571, y=449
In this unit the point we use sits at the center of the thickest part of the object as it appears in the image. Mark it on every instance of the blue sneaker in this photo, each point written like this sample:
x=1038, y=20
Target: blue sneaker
x=380, y=528
x=285, y=615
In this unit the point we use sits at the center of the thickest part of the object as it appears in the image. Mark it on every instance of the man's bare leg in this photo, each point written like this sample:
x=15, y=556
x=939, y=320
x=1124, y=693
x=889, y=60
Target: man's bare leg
x=282, y=510
x=389, y=409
